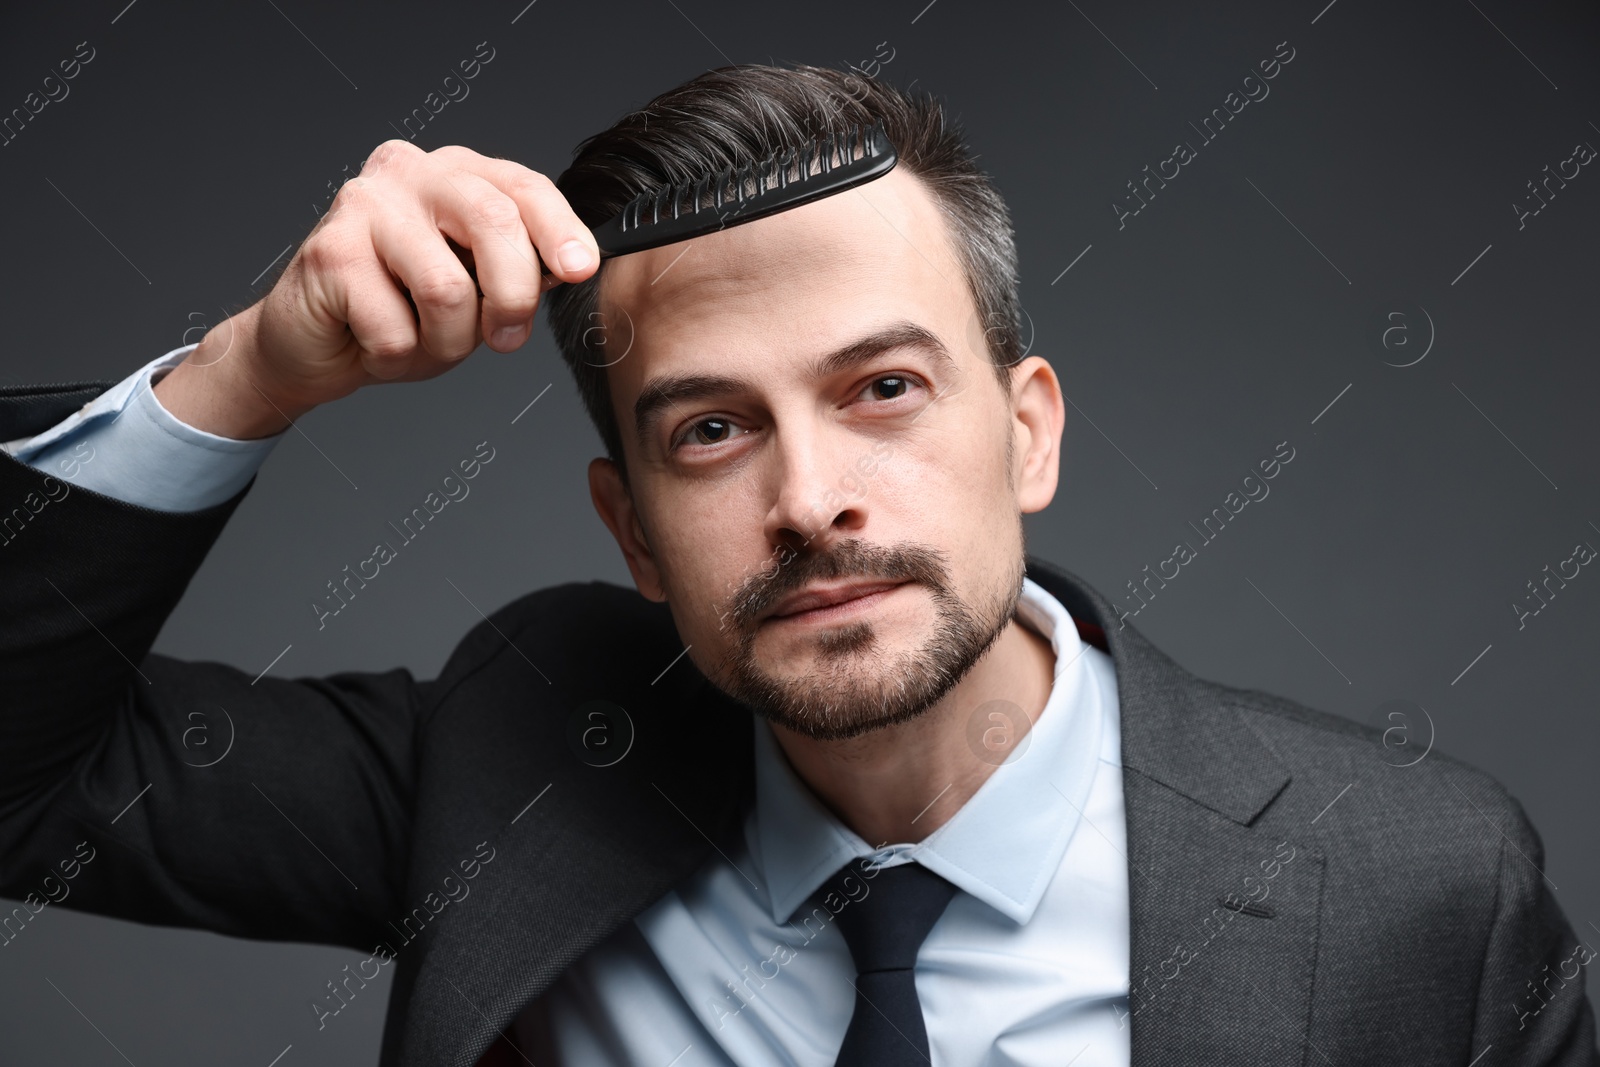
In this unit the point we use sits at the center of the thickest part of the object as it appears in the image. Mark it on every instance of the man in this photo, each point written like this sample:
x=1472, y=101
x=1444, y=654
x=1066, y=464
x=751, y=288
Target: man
x=910, y=797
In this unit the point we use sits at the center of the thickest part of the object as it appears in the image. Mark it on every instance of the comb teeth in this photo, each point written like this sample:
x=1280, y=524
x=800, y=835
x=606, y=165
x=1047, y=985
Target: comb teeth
x=675, y=201
x=748, y=191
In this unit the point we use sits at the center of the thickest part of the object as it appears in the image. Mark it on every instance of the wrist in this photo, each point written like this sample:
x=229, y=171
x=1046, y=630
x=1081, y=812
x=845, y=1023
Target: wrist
x=215, y=388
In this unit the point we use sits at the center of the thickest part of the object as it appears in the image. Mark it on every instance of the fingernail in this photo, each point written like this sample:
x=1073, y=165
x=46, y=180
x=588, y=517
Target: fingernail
x=574, y=256
x=508, y=336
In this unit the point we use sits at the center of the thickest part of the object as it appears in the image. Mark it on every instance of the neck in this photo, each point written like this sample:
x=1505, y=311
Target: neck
x=900, y=783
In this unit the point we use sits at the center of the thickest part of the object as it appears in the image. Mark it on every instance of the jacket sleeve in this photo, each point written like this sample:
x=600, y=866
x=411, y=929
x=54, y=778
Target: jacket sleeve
x=181, y=793
x=1531, y=1003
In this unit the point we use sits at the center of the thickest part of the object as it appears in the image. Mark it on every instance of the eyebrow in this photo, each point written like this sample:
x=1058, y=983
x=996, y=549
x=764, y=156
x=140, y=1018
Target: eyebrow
x=664, y=391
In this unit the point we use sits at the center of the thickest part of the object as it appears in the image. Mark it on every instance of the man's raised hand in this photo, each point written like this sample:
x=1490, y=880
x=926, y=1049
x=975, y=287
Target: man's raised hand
x=339, y=316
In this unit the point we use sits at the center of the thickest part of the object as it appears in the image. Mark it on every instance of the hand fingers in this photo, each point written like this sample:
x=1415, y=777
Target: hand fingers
x=344, y=286
x=404, y=229
x=564, y=243
x=380, y=319
x=411, y=247
x=488, y=223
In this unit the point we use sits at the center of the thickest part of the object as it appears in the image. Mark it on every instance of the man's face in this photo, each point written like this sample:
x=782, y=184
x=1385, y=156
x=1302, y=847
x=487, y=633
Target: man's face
x=806, y=404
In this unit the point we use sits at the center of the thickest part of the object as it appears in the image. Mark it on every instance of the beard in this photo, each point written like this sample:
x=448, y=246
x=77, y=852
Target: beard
x=855, y=684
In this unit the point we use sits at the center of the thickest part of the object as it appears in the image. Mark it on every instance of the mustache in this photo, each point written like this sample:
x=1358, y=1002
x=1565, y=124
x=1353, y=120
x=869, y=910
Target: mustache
x=849, y=558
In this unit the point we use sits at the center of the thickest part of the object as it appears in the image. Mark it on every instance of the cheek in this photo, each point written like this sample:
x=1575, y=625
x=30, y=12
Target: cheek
x=949, y=490
x=952, y=477
x=706, y=545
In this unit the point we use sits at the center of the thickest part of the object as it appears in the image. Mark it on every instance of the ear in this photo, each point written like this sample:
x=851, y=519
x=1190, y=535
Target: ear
x=614, y=503
x=1039, y=418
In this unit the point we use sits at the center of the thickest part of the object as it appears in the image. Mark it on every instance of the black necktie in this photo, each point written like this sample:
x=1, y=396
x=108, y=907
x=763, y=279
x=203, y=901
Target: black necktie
x=884, y=919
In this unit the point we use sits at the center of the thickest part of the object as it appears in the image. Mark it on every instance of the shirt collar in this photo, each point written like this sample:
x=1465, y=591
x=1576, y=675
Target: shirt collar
x=1003, y=846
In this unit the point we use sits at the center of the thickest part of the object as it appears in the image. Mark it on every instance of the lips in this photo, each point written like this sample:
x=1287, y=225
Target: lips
x=824, y=596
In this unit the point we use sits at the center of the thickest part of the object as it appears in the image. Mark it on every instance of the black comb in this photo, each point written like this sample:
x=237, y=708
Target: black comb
x=844, y=159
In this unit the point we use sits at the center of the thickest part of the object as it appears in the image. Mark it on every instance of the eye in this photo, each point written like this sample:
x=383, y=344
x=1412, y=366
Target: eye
x=889, y=386
x=708, y=431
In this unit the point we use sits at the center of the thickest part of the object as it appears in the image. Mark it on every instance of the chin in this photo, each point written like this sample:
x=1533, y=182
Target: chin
x=851, y=680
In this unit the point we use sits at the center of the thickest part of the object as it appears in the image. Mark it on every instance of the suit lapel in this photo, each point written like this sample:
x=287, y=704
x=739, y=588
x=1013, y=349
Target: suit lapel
x=1223, y=910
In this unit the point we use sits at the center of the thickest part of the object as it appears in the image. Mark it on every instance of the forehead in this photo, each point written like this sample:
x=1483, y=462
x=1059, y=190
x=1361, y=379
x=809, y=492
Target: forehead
x=771, y=294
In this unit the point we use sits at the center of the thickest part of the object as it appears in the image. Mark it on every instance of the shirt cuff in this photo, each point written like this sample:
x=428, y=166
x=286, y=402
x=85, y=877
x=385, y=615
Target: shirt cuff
x=125, y=445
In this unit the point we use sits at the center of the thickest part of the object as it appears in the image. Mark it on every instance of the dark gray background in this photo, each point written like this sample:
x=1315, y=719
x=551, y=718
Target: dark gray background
x=201, y=139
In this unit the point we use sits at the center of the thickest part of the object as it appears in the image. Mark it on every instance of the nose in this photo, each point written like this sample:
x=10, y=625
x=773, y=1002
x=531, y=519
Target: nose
x=818, y=496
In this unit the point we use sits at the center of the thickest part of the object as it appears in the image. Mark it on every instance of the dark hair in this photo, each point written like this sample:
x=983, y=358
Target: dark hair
x=739, y=113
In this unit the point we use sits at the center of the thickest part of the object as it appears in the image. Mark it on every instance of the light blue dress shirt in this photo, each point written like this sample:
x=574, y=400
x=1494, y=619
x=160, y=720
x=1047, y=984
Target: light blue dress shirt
x=1027, y=967
x=124, y=444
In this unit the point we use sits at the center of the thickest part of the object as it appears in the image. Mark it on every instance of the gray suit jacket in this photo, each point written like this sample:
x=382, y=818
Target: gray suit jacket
x=1409, y=923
